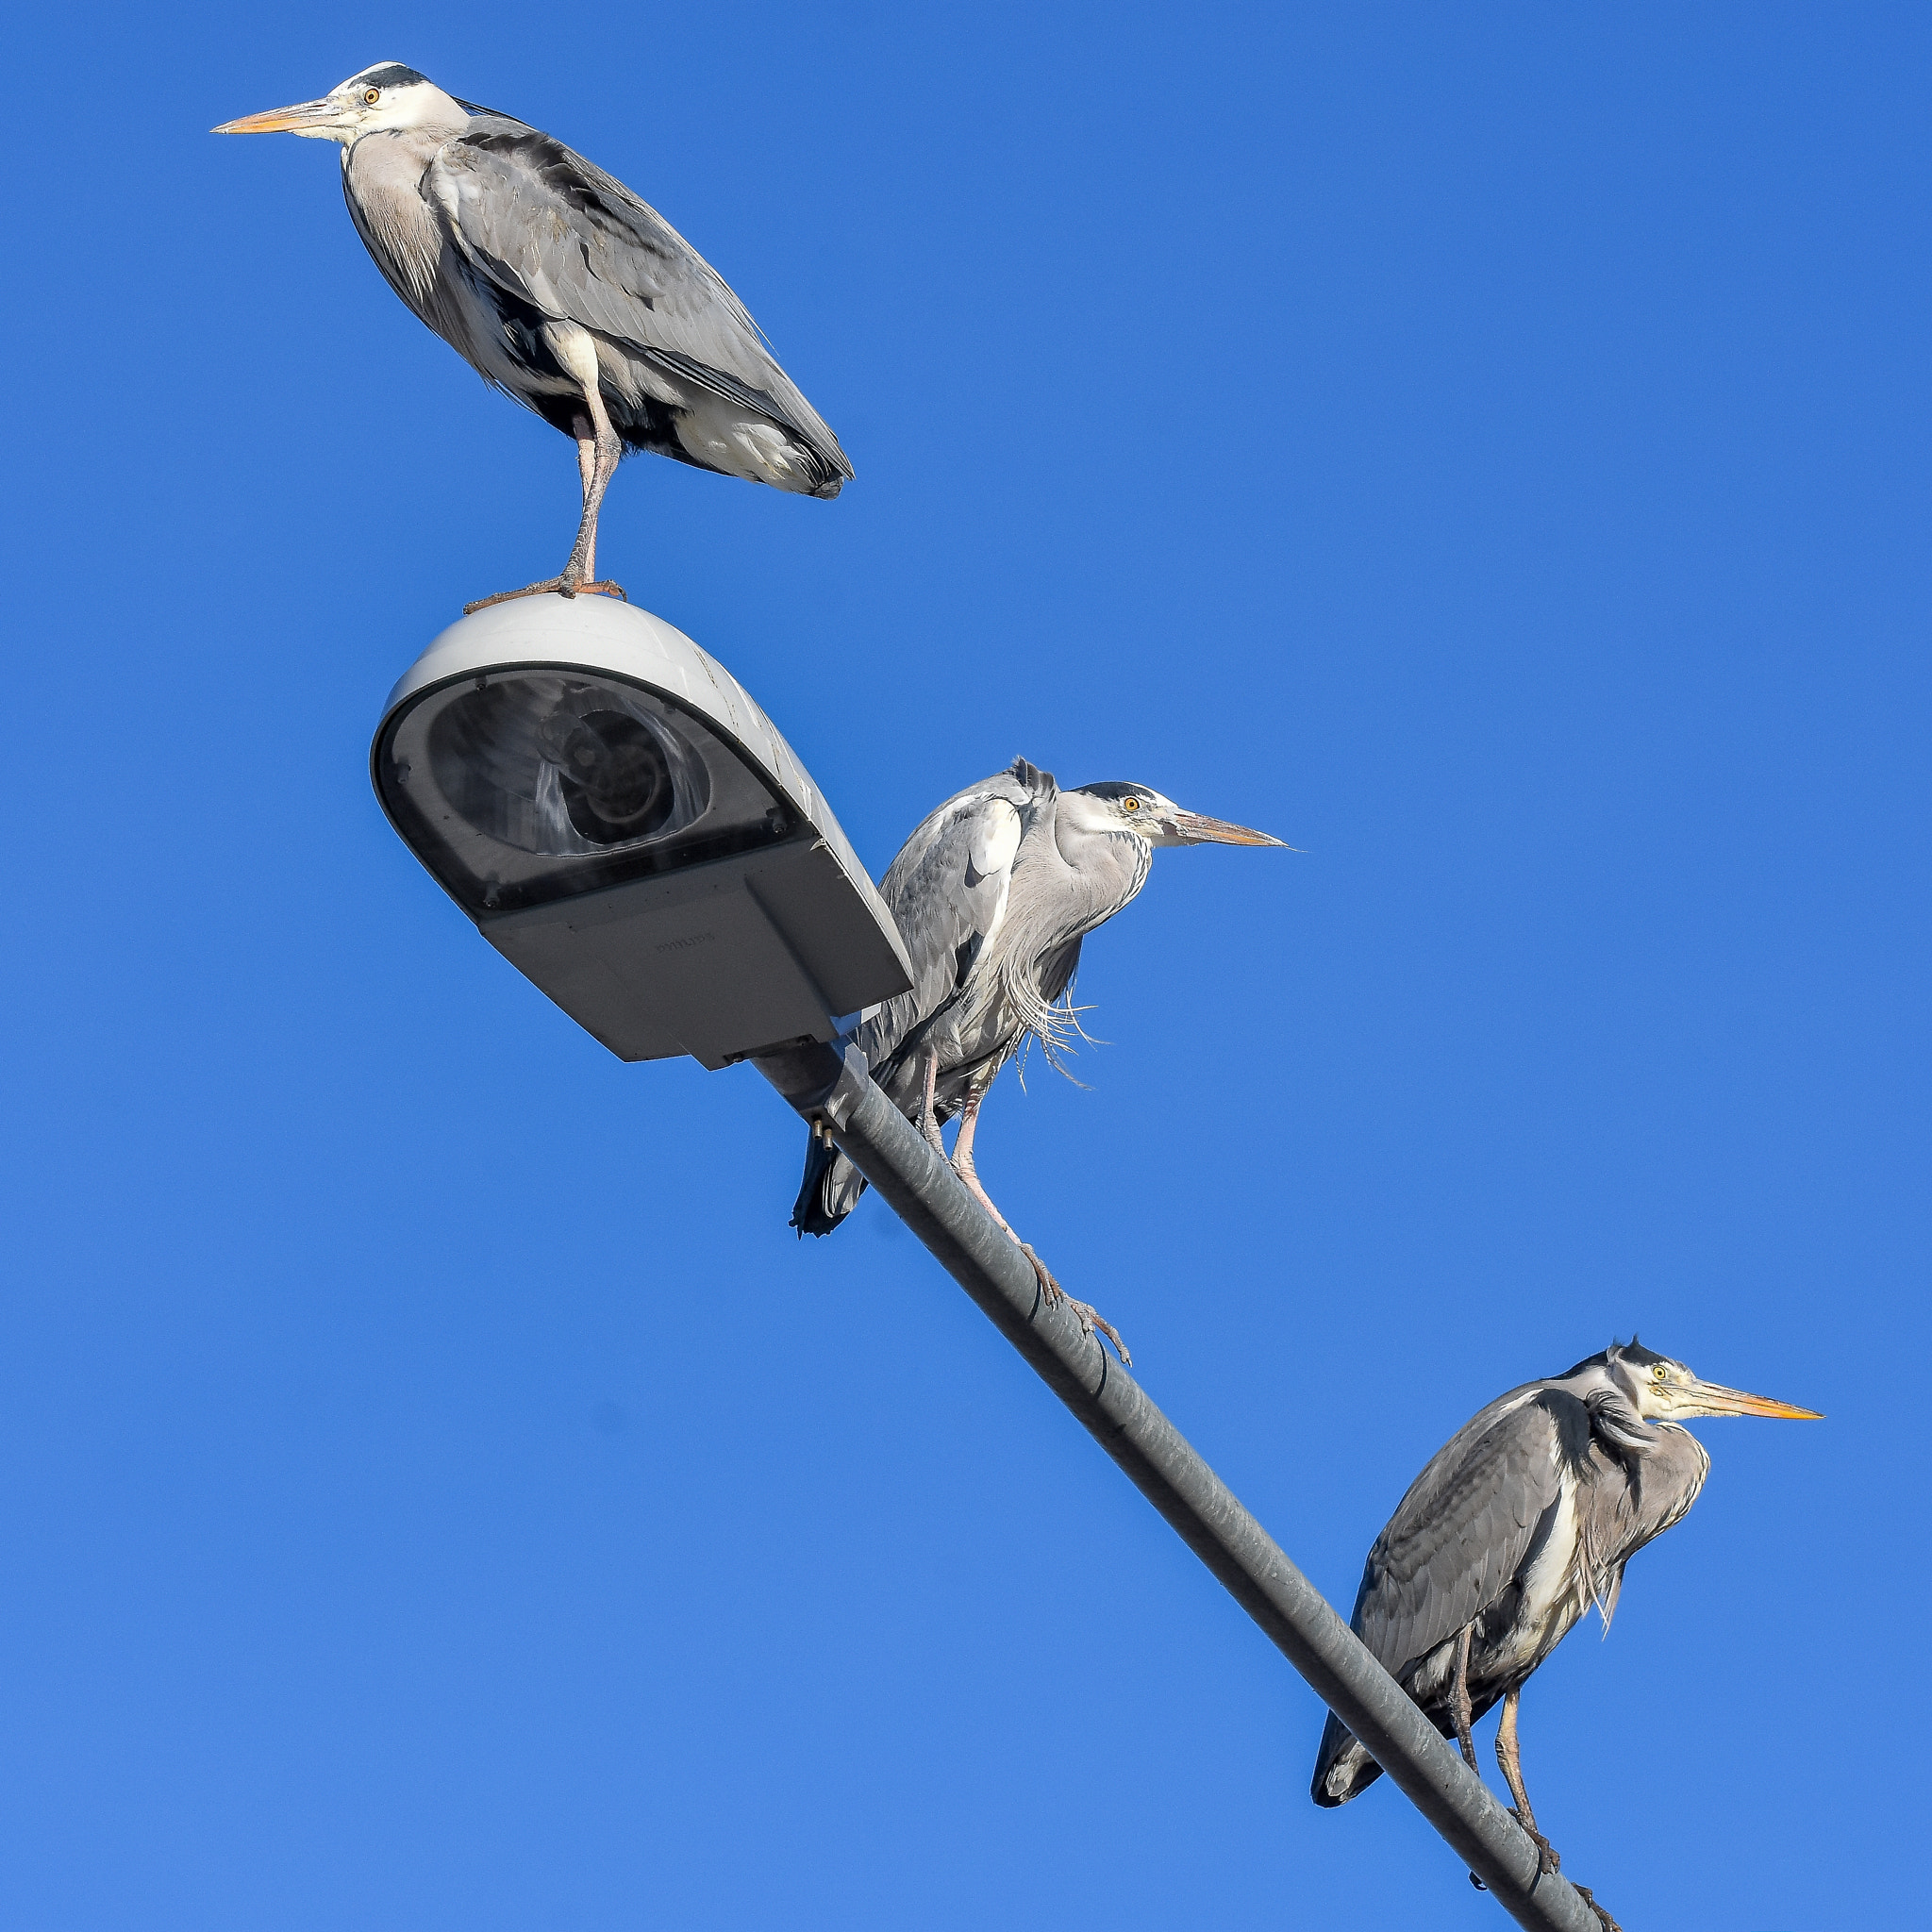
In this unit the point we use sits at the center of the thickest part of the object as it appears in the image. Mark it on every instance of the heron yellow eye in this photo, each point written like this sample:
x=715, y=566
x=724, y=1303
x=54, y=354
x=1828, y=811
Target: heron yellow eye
x=372, y=94
x=1130, y=804
x=1660, y=1374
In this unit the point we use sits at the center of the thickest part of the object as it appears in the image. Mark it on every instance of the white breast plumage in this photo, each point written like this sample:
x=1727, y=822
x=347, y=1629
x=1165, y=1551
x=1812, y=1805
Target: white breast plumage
x=1554, y=1592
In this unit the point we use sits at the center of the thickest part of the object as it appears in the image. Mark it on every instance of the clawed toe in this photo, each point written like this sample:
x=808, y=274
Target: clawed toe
x=1603, y=1918
x=1051, y=1289
x=1550, y=1863
x=1089, y=1317
x=1547, y=1852
x=562, y=586
x=506, y=596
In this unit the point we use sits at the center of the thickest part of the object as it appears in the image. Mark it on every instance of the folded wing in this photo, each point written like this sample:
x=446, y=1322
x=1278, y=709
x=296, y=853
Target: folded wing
x=559, y=233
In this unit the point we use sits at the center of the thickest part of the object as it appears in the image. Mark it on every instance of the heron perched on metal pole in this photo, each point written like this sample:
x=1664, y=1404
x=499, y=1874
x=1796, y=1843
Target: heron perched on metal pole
x=831, y=1090
x=560, y=287
x=1519, y=1524
x=993, y=896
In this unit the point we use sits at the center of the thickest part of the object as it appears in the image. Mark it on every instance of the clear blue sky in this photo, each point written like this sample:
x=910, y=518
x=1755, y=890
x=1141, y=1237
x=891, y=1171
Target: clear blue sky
x=436, y=1489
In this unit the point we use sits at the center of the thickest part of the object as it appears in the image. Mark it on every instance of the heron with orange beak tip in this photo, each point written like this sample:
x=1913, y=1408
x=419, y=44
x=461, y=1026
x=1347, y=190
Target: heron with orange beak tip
x=1519, y=1524
x=562, y=289
x=995, y=894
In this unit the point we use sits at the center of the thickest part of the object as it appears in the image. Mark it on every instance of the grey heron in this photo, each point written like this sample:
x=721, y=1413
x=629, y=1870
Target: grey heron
x=993, y=896
x=1519, y=1524
x=560, y=287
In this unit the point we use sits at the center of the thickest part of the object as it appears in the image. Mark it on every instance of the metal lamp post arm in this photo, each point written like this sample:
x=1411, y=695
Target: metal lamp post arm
x=837, y=1092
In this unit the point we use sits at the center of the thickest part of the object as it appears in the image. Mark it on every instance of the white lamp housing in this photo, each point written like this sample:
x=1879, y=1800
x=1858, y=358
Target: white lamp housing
x=628, y=829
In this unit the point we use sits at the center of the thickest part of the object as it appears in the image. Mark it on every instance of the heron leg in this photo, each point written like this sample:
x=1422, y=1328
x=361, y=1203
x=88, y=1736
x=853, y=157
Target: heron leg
x=598, y=452
x=1511, y=1758
x=586, y=433
x=606, y=451
x=1459, y=1710
x=1459, y=1706
x=928, y=1117
x=1089, y=1317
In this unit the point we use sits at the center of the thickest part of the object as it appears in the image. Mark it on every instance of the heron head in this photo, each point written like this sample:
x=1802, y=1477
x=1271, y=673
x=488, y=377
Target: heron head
x=1115, y=806
x=382, y=99
x=1663, y=1390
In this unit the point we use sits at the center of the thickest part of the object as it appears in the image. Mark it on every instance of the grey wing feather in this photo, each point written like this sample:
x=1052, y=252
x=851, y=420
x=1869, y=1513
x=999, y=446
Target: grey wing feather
x=575, y=243
x=947, y=890
x=1453, y=1547
x=1463, y=1529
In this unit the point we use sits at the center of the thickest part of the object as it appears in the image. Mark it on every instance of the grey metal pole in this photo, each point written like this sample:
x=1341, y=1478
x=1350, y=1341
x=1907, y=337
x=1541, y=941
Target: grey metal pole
x=837, y=1092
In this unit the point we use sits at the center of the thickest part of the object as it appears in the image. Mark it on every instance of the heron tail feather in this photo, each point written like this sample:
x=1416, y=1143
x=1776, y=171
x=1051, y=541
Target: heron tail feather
x=1344, y=1769
x=829, y=1191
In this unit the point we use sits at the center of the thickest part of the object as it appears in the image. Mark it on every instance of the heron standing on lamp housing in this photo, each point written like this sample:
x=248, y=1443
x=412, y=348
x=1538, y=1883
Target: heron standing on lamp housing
x=1523, y=1520
x=993, y=896
x=560, y=287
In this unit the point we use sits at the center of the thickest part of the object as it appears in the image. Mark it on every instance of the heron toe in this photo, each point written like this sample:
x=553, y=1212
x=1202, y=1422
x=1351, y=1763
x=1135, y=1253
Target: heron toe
x=1051, y=1289
x=1089, y=1317
x=562, y=586
x=1551, y=1860
x=1603, y=1918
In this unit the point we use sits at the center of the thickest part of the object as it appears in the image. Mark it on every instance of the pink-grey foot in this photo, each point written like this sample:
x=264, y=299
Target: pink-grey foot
x=559, y=585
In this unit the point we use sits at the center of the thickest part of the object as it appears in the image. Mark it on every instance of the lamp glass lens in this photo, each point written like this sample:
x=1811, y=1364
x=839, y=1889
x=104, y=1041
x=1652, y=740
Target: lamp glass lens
x=535, y=783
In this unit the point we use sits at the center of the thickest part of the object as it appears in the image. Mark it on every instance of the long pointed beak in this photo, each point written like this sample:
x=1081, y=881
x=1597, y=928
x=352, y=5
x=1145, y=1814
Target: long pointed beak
x=281, y=120
x=1196, y=830
x=1714, y=1399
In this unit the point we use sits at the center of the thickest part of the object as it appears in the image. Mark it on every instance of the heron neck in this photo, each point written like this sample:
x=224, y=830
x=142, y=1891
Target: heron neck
x=1112, y=866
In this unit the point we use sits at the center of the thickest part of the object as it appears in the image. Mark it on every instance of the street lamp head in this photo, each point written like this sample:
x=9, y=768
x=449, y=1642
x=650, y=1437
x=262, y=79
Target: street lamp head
x=628, y=829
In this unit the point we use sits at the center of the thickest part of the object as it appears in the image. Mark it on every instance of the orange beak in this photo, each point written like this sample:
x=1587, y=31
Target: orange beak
x=281, y=120
x=1198, y=830
x=1714, y=1399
